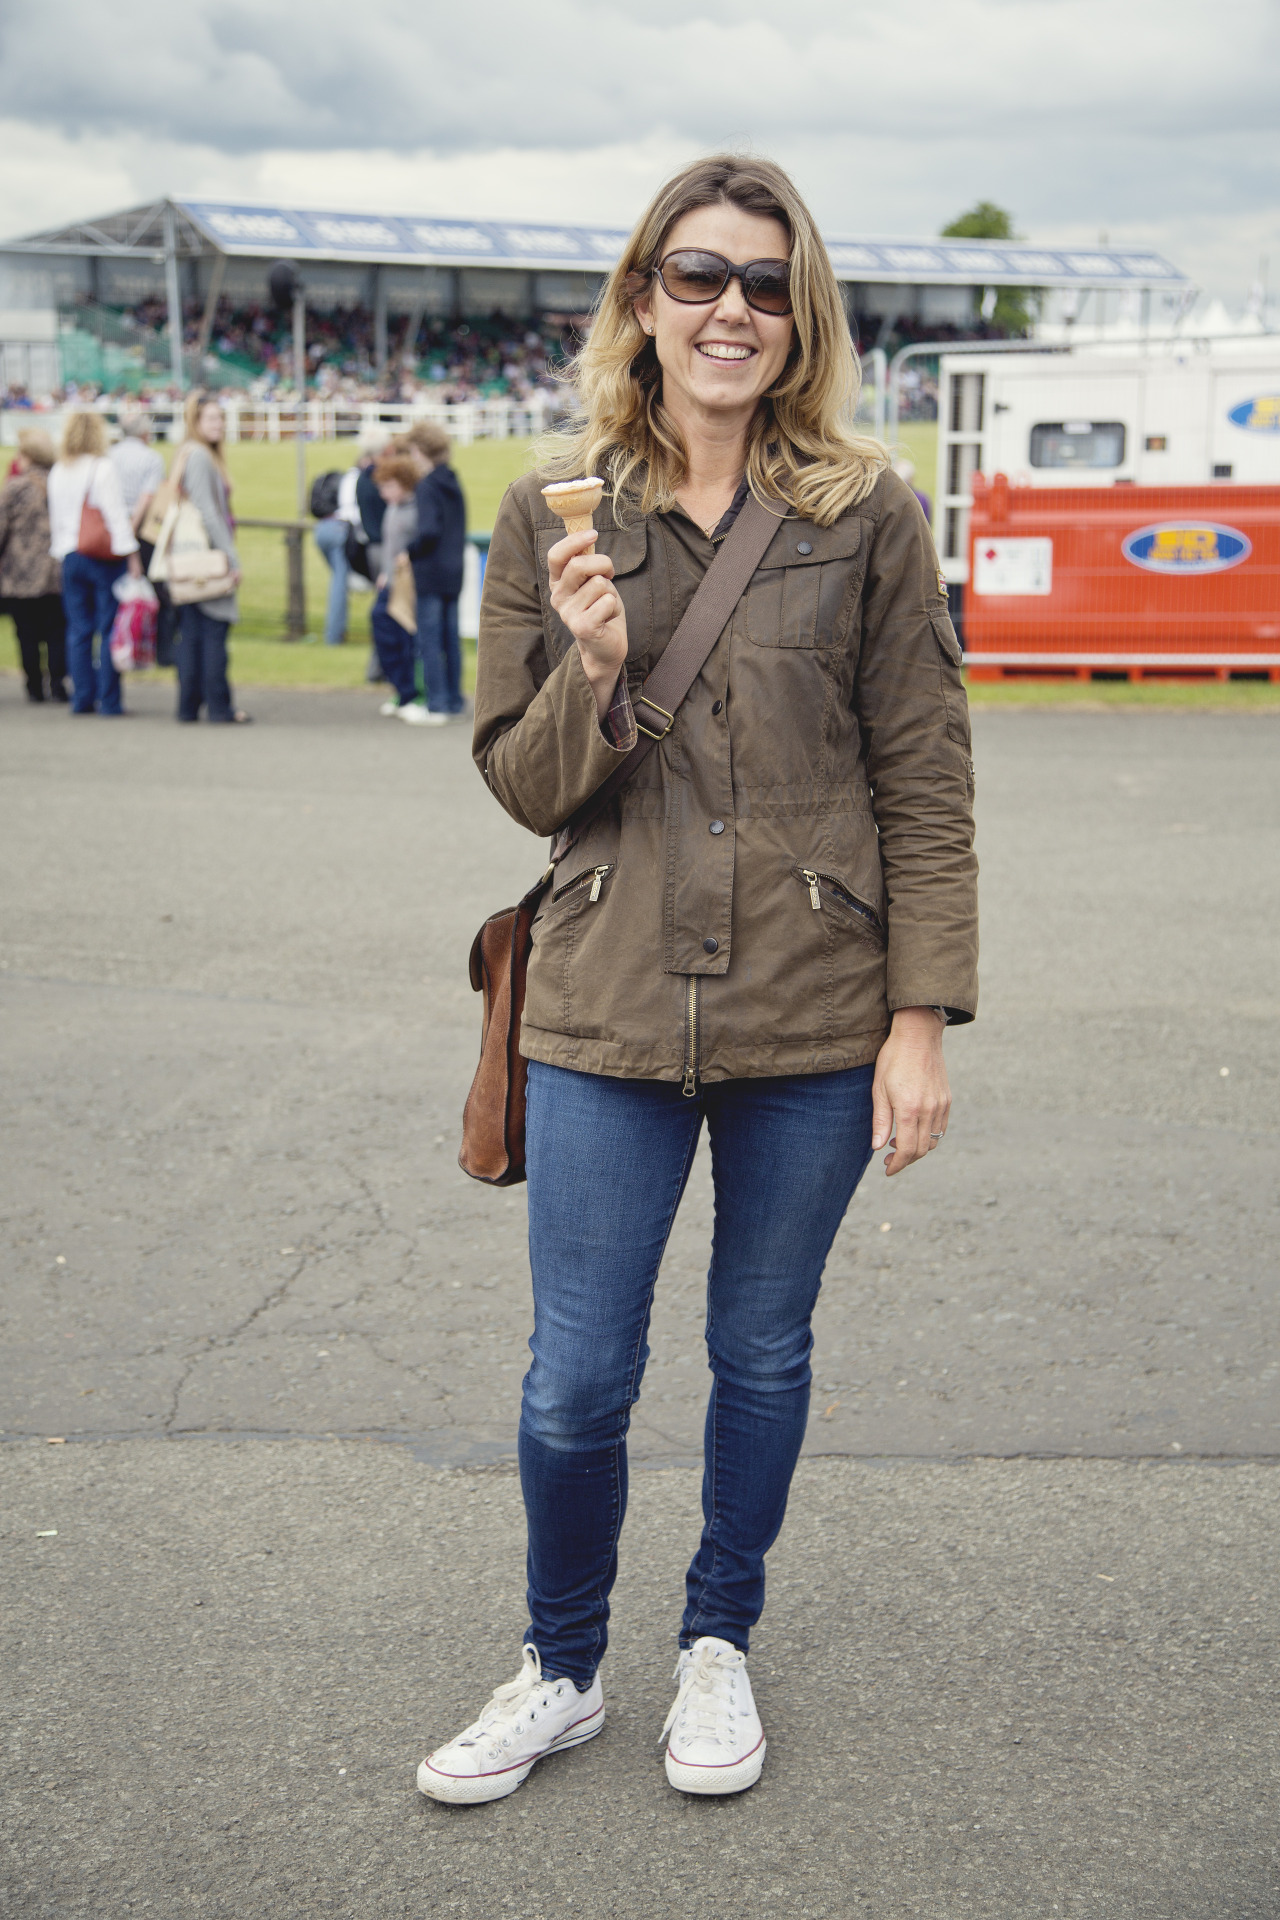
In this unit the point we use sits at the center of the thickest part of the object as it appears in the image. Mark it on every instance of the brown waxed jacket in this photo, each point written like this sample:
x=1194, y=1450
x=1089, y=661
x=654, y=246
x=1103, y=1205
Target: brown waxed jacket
x=795, y=859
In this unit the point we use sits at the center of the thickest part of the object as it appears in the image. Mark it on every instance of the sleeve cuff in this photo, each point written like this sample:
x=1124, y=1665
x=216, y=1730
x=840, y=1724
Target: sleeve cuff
x=619, y=724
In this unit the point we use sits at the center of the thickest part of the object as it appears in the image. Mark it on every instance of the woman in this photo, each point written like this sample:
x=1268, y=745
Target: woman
x=83, y=476
x=437, y=554
x=768, y=928
x=203, y=624
x=396, y=477
x=30, y=578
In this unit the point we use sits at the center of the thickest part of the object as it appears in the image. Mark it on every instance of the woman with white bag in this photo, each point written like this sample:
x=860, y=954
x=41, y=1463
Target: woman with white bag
x=196, y=555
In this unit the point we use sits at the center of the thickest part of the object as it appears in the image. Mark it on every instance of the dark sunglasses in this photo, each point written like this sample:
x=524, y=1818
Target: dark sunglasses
x=695, y=278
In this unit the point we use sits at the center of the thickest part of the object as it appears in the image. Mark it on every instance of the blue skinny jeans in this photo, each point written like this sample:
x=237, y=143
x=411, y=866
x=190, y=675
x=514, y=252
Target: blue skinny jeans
x=440, y=652
x=607, y=1162
x=331, y=538
x=90, y=608
x=396, y=649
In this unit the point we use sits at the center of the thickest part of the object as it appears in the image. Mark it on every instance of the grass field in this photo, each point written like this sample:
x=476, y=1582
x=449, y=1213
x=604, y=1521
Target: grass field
x=265, y=487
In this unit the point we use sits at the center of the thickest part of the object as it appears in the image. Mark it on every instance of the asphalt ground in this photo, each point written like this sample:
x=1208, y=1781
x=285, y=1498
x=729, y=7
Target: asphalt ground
x=1019, y=1654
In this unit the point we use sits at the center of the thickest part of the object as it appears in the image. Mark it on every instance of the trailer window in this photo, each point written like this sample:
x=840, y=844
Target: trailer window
x=1078, y=443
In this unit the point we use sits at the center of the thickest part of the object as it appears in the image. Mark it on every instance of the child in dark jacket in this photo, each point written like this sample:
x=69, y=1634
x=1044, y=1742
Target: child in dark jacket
x=437, y=555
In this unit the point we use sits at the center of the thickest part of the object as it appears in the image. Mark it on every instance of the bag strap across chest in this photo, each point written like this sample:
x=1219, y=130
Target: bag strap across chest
x=657, y=702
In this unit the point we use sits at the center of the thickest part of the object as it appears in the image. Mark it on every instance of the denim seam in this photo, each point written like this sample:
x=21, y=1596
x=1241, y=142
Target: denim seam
x=713, y=1463
x=714, y=1467
x=680, y=1183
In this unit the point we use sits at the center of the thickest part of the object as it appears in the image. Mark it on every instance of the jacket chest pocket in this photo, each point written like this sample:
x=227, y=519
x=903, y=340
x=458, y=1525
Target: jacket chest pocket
x=628, y=548
x=800, y=598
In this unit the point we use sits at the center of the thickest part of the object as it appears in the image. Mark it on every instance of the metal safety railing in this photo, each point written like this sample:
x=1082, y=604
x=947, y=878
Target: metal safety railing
x=295, y=533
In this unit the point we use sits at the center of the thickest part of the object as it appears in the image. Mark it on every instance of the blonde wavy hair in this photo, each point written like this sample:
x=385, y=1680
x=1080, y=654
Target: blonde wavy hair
x=193, y=406
x=83, y=433
x=801, y=447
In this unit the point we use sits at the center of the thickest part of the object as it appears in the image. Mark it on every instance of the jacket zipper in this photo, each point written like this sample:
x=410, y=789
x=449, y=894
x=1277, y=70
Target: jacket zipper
x=597, y=877
x=692, y=1035
x=815, y=881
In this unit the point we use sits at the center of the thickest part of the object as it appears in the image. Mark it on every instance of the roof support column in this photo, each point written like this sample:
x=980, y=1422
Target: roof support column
x=379, y=321
x=172, y=296
x=216, y=275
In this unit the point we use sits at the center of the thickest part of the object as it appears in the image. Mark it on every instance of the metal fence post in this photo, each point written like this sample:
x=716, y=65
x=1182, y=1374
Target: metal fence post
x=296, y=615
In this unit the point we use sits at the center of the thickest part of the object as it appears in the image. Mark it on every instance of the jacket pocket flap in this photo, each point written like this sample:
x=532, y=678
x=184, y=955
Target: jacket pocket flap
x=625, y=546
x=840, y=542
x=946, y=634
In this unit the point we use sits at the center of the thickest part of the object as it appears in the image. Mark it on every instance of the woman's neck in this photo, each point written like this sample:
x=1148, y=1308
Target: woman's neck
x=716, y=445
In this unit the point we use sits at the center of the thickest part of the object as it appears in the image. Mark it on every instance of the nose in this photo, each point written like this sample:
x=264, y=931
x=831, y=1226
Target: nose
x=731, y=308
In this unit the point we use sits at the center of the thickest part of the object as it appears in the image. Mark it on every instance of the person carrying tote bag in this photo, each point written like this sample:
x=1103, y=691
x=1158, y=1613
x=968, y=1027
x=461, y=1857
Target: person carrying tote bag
x=764, y=931
x=89, y=532
x=196, y=555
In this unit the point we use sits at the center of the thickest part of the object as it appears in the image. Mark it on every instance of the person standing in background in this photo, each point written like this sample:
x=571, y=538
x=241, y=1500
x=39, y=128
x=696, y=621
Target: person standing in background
x=906, y=470
x=396, y=477
x=331, y=538
x=203, y=625
x=437, y=556
x=140, y=470
x=370, y=505
x=83, y=476
x=373, y=442
x=30, y=578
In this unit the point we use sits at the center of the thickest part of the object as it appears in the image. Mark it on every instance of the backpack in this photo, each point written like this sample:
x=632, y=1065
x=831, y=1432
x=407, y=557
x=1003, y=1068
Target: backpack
x=358, y=552
x=324, y=495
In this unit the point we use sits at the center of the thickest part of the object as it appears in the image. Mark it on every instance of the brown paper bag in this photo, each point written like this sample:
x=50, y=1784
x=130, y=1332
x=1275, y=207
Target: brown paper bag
x=402, y=601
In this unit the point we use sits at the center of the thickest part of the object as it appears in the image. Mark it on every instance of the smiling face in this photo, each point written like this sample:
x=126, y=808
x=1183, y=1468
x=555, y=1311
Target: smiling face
x=210, y=425
x=718, y=359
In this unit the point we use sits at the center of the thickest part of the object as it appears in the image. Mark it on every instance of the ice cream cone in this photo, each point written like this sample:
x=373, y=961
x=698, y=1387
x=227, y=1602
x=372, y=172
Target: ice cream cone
x=575, y=501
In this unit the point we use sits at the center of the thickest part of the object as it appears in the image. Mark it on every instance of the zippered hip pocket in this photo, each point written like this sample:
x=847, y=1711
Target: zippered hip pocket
x=591, y=879
x=829, y=895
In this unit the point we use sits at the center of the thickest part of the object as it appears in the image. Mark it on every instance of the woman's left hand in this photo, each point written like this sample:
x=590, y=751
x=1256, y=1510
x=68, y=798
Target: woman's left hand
x=910, y=1096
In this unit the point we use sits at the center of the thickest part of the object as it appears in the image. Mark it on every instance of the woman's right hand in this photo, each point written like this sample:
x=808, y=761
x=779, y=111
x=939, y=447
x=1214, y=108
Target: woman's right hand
x=583, y=594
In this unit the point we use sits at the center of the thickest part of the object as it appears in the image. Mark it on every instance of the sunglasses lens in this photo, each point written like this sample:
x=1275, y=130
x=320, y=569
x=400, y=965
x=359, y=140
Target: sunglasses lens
x=768, y=286
x=692, y=276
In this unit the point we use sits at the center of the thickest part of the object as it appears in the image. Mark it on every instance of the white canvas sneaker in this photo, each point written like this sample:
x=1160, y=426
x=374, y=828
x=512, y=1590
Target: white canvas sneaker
x=717, y=1744
x=525, y=1720
x=417, y=716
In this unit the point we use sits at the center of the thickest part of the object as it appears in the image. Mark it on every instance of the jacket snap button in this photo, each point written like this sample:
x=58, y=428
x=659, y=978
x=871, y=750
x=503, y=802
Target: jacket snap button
x=710, y=946
x=803, y=546
x=717, y=826
x=717, y=706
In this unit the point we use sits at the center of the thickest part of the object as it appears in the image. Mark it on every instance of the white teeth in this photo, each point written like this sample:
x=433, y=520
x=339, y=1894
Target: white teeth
x=716, y=350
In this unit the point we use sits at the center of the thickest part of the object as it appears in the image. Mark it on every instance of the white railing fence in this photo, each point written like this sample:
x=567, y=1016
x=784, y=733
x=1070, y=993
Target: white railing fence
x=275, y=420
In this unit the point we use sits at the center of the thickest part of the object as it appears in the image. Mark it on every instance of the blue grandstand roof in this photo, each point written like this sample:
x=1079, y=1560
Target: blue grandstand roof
x=419, y=241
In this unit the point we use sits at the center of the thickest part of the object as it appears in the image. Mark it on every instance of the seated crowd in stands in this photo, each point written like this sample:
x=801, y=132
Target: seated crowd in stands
x=480, y=358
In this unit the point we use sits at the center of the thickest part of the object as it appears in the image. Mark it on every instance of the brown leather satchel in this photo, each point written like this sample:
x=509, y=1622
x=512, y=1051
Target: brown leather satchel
x=94, y=539
x=493, y=1119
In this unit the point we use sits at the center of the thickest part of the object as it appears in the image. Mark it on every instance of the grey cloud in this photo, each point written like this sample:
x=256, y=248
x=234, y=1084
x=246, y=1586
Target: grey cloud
x=565, y=73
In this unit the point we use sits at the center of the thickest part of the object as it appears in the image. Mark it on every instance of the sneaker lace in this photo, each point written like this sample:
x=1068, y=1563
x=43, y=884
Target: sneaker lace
x=505, y=1711
x=705, y=1695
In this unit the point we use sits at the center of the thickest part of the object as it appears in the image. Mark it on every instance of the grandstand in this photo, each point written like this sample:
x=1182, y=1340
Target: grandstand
x=157, y=296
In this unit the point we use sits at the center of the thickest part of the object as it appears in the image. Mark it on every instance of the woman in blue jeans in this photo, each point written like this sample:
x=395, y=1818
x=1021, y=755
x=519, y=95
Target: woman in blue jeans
x=83, y=477
x=764, y=932
x=203, y=625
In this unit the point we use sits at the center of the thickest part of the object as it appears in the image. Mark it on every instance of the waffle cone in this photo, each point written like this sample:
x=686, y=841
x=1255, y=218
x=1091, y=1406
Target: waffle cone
x=575, y=501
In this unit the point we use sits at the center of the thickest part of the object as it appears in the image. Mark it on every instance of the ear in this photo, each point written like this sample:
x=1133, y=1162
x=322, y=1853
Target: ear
x=642, y=306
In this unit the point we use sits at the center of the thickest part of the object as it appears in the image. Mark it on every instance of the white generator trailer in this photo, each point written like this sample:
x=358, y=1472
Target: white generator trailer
x=1175, y=415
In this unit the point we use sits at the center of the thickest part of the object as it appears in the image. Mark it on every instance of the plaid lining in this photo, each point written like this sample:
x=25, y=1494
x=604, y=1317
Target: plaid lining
x=619, y=724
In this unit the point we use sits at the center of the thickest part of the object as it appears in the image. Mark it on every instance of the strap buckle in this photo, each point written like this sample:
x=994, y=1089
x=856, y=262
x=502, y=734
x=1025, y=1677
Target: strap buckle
x=643, y=700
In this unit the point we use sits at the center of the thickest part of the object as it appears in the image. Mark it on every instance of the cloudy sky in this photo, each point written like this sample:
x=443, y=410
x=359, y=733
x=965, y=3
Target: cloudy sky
x=1150, y=120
